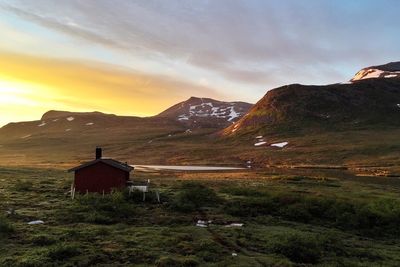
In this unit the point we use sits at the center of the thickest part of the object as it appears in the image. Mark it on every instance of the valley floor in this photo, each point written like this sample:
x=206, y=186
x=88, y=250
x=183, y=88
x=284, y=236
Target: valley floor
x=288, y=220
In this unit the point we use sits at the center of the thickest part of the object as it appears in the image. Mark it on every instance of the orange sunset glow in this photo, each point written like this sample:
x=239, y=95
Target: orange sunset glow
x=30, y=86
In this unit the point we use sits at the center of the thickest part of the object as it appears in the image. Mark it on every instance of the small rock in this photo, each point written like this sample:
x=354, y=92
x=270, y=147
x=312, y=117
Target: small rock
x=235, y=225
x=36, y=222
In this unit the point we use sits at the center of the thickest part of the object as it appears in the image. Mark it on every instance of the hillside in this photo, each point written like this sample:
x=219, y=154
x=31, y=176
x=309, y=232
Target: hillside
x=62, y=137
x=194, y=113
x=361, y=103
x=70, y=136
x=81, y=124
x=354, y=124
x=200, y=112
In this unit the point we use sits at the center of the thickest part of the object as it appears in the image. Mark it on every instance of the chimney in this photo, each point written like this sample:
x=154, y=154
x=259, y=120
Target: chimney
x=99, y=152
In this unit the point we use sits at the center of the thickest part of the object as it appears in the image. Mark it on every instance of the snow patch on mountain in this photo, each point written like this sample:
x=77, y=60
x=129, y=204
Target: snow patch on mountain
x=260, y=143
x=70, y=118
x=183, y=118
x=204, y=110
x=281, y=145
x=374, y=73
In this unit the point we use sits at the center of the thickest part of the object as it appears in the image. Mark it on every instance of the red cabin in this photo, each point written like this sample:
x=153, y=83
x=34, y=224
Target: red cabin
x=101, y=175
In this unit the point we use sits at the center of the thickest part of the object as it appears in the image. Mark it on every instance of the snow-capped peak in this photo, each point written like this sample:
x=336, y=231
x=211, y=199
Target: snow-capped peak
x=208, y=111
x=228, y=111
x=391, y=70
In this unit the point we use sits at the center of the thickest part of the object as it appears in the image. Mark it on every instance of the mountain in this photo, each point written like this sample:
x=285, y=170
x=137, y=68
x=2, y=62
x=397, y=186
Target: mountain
x=364, y=102
x=354, y=124
x=62, y=136
x=56, y=122
x=390, y=70
x=202, y=112
x=193, y=113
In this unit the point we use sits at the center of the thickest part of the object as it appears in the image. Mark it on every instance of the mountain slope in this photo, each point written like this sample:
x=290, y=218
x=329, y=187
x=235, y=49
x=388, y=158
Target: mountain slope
x=195, y=112
x=62, y=122
x=201, y=112
x=365, y=102
x=62, y=136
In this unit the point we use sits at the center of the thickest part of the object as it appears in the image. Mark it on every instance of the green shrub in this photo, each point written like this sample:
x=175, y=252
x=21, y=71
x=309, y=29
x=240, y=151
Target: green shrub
x=189, y=262
x=42, y=240
x=297, y=212
x=299, y=248
x=251, y=207
x=209, y=251
x=97, y=218
x=62, y=252
x=23, y=185
x=177, y=262
x=102, y=231
x=372, y=218
x=193, y=196
x=5, y=227
x=111, y=208
x=243, y=191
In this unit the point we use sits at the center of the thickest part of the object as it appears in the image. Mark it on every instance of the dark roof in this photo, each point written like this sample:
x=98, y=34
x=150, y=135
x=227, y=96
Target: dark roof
x=111, y=162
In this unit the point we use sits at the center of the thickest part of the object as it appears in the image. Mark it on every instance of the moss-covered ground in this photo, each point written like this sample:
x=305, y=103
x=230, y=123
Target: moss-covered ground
x=288, y=220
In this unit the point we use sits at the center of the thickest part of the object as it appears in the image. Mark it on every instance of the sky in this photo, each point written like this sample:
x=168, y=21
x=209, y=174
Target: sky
x=132, y=57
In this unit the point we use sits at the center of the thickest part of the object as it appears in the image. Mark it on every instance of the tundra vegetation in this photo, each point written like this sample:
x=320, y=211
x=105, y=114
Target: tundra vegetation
x=288, y=220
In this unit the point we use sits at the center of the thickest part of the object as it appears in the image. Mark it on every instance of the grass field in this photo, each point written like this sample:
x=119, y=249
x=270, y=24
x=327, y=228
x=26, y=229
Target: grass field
x=373, y=151
x=288, y=220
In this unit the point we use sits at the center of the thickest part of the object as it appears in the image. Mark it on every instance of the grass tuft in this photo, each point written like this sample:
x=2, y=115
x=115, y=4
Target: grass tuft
x=5, y=227
x=193, y=196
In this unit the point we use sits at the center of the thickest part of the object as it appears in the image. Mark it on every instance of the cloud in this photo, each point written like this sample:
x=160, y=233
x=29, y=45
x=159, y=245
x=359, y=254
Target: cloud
x=251, y=42
x=65, y=27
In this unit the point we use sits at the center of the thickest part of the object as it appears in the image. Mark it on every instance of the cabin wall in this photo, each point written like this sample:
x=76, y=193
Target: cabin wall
x=99, y=177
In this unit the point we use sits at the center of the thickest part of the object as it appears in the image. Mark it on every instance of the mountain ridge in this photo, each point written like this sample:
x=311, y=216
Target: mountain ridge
x=365, y=102
x=54, y=114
